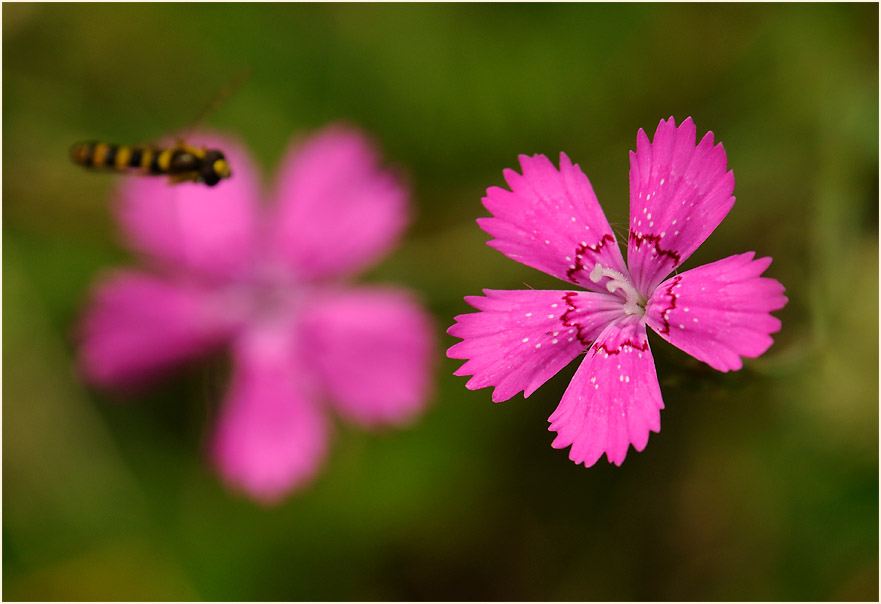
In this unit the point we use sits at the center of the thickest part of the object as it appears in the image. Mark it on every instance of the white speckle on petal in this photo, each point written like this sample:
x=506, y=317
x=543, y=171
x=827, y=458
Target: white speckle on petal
x=553, y=306
x=627, y=379
x=662, y=181
x=554, y=341
x=525, y=339
x=538, y=345
x=550, y=316
x=649, y=216
x=685, y=309
x=681, y=326
x=529, y=314
x=547, y=241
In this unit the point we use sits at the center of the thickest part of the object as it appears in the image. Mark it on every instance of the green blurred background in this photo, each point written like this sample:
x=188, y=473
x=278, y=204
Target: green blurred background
x=763, y=483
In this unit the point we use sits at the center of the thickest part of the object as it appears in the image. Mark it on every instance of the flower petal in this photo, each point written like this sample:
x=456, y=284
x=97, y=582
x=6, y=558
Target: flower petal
x=551, y=220
x=373, y=349
x=271, y=436
x=679, y=194
x=520, y=339
x=190, y=226
x=613, y=400
x=139, y=326
x=719, y=312
x=337, y=212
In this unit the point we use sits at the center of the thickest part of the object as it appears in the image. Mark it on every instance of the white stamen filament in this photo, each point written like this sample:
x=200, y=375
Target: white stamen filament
x=634, y=302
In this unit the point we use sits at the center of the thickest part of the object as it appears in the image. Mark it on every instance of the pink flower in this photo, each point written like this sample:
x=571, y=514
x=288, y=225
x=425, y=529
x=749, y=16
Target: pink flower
x=551, y=220
x=266, y=282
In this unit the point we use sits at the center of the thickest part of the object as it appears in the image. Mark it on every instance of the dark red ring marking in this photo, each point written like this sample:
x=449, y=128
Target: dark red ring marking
x=656, y=240
x=580, y=252
x=673, y=298
x=627, y=342
x=569, y=298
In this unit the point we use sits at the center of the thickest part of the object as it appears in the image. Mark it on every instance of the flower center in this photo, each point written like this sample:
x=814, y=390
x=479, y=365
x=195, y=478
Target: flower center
x=634, y=303
x=266, y=295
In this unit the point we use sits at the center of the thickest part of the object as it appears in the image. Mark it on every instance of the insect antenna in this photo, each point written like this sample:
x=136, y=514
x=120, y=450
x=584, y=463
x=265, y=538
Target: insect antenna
x=217, y=102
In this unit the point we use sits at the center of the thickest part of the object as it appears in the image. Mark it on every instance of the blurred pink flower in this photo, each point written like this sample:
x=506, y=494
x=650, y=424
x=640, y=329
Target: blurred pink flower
x=551, y=220
x=265, y=280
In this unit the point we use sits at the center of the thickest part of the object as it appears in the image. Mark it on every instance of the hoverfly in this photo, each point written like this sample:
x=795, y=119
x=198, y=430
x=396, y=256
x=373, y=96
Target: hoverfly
x=180, y=161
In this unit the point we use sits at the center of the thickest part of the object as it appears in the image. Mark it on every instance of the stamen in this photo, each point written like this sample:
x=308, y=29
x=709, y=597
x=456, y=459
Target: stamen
x=634, y=302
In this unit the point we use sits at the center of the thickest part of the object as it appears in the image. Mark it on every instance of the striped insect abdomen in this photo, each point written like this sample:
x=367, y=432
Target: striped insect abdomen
x=116, y=157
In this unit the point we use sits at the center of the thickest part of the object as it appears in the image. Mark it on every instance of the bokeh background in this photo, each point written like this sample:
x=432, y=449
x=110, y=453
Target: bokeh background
x=763, y=483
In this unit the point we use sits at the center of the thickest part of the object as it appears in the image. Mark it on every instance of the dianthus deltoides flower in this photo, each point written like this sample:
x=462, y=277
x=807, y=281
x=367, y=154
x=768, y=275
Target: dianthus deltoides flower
x=266, y=281
x=551, y=220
